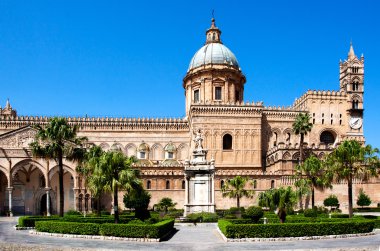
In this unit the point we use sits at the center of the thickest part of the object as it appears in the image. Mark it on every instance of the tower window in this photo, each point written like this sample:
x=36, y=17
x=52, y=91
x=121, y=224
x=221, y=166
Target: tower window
x=237, y=96
x=275, y=139
x=254, y=184
x=218, y=93
x=196, y=96
x=272, y=184
x=355, y=104
x=148, y=184
x=221, y=184
x=142, y=155
x=323, y=121
x=227, y=142
x=167, y=186
x=183, y=184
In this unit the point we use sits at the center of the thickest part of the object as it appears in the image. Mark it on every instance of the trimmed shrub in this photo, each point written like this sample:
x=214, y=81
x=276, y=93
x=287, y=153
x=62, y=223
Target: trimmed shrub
x=310, y=213
x=137, y=231
x=363, y=199
x=231, y=230
x=73, y=212
x=29, y=221
x=67, y=227
x=202, y=217
x=254, y=213
x=331, y=201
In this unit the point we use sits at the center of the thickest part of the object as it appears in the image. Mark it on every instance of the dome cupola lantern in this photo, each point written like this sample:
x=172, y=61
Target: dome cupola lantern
x=213, y=33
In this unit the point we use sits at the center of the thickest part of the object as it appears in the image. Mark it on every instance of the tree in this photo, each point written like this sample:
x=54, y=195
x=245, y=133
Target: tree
x=352, y=160
x=234, y=188
x=331, y=201
x=55, y=141
x=165, y=203
x=139, y=200
x=314, y=175
x=87, y=161
x=363, y=199
x=114, y=171
x=280, y=200
x=302, y=126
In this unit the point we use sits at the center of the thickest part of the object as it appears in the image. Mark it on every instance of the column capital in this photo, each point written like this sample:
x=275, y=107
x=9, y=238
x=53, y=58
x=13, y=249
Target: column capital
x=9, y=188
x=47, y=189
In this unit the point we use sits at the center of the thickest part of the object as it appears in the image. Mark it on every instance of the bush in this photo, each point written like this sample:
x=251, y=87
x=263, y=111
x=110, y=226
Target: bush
x=136, y=222
x=231, y=230
x=202, y=217
x=105, y=213
x=310, y=213
x=67, y=227
x=73, y=212
x=331, y=201
x=137, y=231
x=29, y=221
x=254, y=213
x=363, y=199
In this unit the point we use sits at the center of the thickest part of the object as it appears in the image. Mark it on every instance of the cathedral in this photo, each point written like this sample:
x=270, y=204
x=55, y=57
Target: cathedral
x=242, y=138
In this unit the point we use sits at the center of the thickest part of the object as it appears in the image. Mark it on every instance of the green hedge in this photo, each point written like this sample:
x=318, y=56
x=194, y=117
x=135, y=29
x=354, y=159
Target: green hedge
x=67, y=227
x=29, y=221
x=137, y=231
x=231, y=230
x=108, y=229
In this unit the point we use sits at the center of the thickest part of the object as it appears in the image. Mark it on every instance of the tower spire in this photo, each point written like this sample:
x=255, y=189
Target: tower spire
x=351, y=53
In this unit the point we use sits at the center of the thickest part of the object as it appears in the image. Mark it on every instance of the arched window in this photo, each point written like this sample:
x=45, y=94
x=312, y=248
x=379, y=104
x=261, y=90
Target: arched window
x=148, y=184
x=355, y=104
x=167, y=184
x=86, y=199
x=272, y=184
x=221, y=184
x=227, y=142
x=196, y=96
x=183, y=184
x=275, y=139
x=80, y=200
x=327, y=137
x=254, y=184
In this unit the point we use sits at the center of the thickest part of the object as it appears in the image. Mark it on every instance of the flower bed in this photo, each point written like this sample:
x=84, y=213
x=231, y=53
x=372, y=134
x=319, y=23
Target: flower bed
x=232, y=230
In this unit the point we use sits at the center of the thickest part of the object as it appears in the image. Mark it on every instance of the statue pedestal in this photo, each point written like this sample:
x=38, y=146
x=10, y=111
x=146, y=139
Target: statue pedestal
x=199, y=176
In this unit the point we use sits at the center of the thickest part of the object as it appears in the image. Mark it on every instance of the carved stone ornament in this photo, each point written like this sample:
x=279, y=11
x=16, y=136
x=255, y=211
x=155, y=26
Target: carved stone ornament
x=20, y=138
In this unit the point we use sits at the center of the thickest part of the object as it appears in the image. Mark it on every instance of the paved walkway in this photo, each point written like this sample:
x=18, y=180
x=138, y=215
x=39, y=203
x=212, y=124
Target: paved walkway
x=187, y=237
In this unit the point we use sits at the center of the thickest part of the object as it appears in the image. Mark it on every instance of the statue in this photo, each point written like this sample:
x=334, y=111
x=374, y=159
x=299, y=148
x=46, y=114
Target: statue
x=198, y=141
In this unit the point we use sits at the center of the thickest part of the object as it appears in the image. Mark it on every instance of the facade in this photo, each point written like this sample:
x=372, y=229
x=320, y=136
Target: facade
x=242, y=138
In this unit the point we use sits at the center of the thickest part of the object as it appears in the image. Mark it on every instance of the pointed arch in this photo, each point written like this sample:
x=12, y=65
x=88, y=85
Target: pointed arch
x=183, y=151
x=130, y=149
x=25, y=162
x=157, y=152
x=105, y=146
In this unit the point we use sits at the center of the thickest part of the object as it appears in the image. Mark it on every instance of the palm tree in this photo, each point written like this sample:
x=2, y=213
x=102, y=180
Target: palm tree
x=313, y=174
x=234, y=188
x=279, y=199
x=54, y=141
x=165, y=203
x=352, y=160
x=302, y=126
x=87, y=162
x=113, y=170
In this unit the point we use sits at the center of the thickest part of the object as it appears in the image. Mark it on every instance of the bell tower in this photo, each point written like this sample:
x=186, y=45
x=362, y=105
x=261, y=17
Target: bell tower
x=352, y=82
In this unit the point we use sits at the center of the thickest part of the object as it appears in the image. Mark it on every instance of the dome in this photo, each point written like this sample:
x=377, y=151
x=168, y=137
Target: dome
x=213, y=53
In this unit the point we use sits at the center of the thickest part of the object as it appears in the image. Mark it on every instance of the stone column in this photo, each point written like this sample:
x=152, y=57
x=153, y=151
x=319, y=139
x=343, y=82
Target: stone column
x=76, y=194
x=186, y=190
x=212, y=189
x=10, y=189
x=47, y=189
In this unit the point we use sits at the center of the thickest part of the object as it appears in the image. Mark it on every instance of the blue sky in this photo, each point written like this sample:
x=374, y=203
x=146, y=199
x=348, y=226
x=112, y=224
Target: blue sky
x=128, y=58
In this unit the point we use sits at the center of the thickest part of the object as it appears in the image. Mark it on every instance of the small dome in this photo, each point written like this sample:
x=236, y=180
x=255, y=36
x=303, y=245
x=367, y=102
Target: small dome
x=213, y=53
x=143, y=147
x=170, y=147
x=115, y=148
